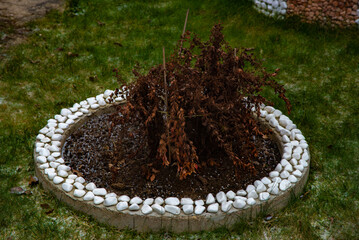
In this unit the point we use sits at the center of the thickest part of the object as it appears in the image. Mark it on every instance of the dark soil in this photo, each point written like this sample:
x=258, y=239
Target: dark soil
x=92, y=149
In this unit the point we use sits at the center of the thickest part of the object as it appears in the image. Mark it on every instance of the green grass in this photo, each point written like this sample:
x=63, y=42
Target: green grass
x=319, y=68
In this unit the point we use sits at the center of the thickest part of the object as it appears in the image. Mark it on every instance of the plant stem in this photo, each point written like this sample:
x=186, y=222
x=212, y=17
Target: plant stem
x=183, y=32
x=166, y=103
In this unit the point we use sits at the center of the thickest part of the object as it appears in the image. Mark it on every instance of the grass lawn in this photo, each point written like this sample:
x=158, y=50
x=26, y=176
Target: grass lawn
x=70, y=57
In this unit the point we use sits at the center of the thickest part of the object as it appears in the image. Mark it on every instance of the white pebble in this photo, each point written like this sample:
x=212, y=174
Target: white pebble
x=210, y=199
x=71, y=181
x=46, y=140
x=230, y=195
x=284, y=174
x=284, y=162
x=43, y=166
x=136, y=200
x=173, y=209
x=305, y=156
x=285, y=139
x=294, y=162
x=110, y=201
x=63, y=125
x=269, y=109
x=91, y=100
x=95, y=106
x=67, y=187
x=79, y=114
x=186, y=201
x=288, y=168
x=83, y=110
x=284, y=185
x=213, y=208
x=297, y=173
x=158, y=209
x=241, y=192
x=99, y=191
x=69, y=121
x=65, y=112
x=274, y=190
x=251, y=201
x=146, y=209
x=221, y=197
x=292, y=179
x=98, y=200
x=90, y=186
x=48, y=170
x=56, y=137
x=80, y=180
x=199, y=202
x=73, y=117
x=264, y=196
x=159, y=200
x=250, y=188
x=240, y=198
x=79, y=193
x=44, y=152
x=110, y=195
x=72, y=176
x=79, y=185
x=273, y=174
x=187, y=208
x=148, y=201
x=253, y=194
x=89, y=196
x=51, y=175
x=266, y=181
x=63, y=168
x=122, y=206
x=304, y=163
x=124, y=198
x=58, y=180
x=261, y=188
x=55, y=154
x=225, y=206
x=172, y=201
x=199, y=209
x=62, y=173
x=239, y=203
x=299, y=168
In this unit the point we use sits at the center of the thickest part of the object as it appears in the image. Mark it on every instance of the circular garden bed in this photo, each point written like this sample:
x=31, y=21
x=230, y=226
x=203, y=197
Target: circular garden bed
x=129, y=205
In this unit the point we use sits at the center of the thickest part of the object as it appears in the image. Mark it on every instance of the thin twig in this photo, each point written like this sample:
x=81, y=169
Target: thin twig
x=235, y=55
x=166, y=103
x=183, y=32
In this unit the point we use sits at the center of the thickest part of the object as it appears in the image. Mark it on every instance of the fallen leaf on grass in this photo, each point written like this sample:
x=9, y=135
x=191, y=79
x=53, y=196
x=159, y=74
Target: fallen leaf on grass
x=45, y=206
x=71, y=54
x=101, y=23
x=33, y=181
x=93, y=78
x=17, y=190
x=268, y=218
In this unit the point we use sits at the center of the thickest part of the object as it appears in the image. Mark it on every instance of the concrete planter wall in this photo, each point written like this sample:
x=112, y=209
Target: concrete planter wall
x=269, y=194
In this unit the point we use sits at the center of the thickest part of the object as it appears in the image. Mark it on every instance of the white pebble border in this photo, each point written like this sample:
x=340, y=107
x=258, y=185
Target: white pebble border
x=278, y=8
x=271, y=8
x=48, y=158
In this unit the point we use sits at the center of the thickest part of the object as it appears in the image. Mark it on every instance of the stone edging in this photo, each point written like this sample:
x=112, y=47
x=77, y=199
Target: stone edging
x=323, y=11
x=269, y=194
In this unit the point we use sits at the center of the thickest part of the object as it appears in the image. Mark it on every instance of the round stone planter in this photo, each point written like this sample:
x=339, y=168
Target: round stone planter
x=267, y=195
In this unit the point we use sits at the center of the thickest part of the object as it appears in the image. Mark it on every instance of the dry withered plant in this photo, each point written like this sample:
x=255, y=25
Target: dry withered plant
x=198, y=106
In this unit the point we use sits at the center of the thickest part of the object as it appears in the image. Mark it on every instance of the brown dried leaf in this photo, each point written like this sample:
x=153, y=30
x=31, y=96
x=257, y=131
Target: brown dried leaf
x=33, y=181
x=152, y=177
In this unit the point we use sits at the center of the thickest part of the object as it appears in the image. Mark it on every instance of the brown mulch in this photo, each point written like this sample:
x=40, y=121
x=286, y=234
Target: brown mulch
x=91, y=149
